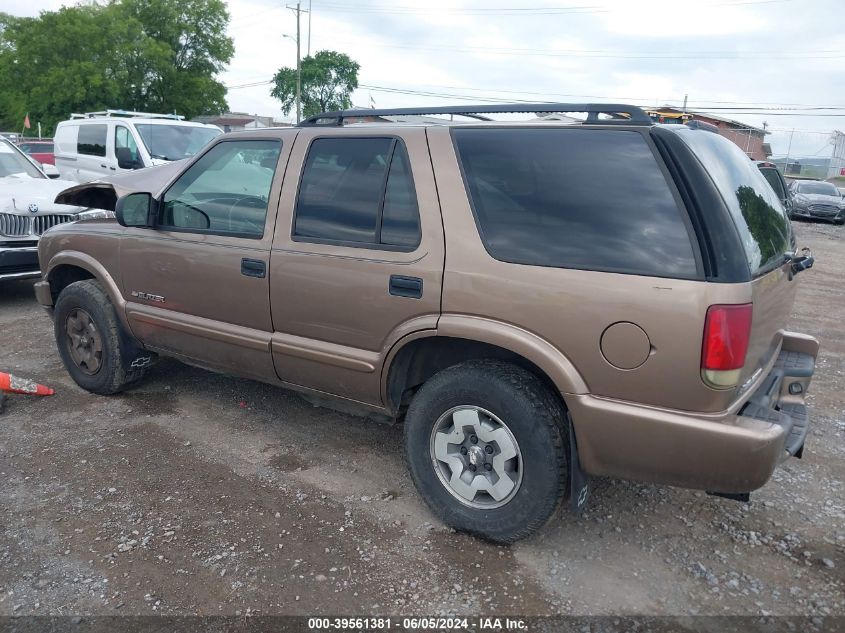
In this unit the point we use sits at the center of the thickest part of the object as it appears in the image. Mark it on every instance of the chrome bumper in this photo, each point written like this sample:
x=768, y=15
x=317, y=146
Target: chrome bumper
x=19, y=263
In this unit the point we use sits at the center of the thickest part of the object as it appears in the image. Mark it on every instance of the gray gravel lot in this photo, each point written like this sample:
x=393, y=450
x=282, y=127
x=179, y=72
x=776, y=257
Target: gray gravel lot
x=195, y=493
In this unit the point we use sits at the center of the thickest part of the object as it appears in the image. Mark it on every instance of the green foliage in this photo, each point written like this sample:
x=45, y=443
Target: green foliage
x=152, y=55
x=328, y=79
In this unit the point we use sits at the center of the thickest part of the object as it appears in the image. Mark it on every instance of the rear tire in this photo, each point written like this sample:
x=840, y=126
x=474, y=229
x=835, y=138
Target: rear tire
x=470, y=419
x=96, y=352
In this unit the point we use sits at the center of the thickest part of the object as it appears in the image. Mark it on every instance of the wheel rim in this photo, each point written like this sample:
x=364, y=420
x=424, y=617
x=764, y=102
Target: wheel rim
x=83, y=341
x=476, y=457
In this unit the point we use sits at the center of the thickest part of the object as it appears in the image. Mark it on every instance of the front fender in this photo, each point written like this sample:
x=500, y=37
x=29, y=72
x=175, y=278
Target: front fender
x=96, y=269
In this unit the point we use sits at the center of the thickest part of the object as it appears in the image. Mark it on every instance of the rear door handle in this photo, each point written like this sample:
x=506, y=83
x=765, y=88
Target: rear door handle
x=401, y=286
x=253, y=268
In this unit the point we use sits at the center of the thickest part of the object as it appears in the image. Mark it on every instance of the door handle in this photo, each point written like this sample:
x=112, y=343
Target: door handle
x=401, y=286
x=253, y=268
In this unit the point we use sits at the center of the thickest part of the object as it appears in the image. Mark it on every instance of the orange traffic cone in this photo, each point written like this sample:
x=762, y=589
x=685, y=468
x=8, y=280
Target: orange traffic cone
x=13, y=384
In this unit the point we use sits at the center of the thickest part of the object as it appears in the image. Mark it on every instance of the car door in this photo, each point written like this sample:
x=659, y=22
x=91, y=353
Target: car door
x=91, y=144
x=357, y=260
x=196, y=285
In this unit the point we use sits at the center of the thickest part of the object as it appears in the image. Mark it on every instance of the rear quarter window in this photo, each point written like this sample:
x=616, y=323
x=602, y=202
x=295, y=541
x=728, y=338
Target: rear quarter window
x=92, y=140
x=574, y=198
x=756, y=211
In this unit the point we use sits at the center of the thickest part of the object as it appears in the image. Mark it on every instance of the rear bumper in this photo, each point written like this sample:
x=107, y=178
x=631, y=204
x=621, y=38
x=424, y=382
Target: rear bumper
x=735, y=451
x=19, y=262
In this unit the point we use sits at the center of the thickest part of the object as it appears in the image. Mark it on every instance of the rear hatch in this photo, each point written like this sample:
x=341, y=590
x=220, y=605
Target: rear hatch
x=766, y=236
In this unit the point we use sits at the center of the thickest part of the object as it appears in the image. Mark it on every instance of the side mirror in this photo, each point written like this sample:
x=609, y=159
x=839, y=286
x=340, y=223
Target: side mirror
x=135, y=210
x=125, y=159
x=50, y=170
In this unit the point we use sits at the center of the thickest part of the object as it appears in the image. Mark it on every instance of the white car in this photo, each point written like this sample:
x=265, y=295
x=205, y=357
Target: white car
x=97, y=144
x=27, y=210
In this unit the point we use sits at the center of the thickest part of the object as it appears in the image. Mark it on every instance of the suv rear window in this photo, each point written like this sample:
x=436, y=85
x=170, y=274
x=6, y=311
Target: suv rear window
x=757, y=212
x=574, y=198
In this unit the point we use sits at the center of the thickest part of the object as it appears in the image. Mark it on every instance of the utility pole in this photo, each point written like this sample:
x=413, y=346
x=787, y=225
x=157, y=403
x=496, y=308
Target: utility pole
x=298, y=71
x=788, y=149
x=308, y=54
x=685, y=104
x=297, y=8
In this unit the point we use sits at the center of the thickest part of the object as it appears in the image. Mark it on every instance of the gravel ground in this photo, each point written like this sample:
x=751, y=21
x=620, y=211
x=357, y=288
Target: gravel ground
x=195, y=493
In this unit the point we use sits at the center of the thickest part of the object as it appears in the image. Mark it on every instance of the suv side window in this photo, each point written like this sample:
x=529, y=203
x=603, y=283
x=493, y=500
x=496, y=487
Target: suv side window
x=359, y=192
x=92, y=140
x=225, y=192
x=574, y=198
x=125, y=146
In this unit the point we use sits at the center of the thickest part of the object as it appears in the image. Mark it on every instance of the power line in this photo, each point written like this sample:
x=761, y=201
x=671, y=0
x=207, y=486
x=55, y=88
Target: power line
x=336, y=6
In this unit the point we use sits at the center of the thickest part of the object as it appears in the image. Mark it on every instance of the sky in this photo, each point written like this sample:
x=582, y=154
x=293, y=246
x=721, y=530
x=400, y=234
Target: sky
x=731, y=57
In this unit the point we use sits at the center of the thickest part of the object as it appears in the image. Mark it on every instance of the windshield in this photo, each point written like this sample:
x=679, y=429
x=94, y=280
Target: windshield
x=757, y=213
x=13, y=163
x=174, y=142
x=821, y=188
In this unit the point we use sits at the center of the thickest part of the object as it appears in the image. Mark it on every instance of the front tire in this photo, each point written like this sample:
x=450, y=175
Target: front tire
x=487, y=446
x=95, y=351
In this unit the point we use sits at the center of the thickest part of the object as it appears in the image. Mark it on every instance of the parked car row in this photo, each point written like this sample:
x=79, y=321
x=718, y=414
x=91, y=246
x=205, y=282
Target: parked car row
x=802, y=198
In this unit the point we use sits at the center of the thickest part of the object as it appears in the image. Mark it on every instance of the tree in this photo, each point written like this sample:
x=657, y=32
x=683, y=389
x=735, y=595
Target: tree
x=328, y=79
x=157, y=55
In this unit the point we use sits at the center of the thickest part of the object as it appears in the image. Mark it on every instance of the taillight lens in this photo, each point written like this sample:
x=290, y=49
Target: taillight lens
x=727, y=330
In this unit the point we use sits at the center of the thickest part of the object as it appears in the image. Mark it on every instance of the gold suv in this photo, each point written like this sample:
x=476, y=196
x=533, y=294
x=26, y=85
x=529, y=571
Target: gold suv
x=538, y=301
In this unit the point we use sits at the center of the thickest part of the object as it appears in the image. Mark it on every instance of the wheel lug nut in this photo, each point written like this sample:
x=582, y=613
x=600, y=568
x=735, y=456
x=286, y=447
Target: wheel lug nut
x=488, y=467
x=463, y=450
x=488, y=449
x=473, y=439
x=473, y=467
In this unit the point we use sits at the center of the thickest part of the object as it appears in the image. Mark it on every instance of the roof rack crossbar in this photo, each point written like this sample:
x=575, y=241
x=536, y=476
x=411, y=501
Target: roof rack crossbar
x=631, y=115
x=125, y=113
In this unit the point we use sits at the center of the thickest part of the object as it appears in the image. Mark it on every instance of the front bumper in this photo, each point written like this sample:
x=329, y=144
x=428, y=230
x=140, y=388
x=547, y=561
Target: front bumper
x=801, y=212
x=732, y=452
x=19, y=262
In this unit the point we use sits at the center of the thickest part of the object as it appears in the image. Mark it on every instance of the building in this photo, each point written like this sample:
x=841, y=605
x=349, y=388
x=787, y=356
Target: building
x=750, y=139
x=239, y=121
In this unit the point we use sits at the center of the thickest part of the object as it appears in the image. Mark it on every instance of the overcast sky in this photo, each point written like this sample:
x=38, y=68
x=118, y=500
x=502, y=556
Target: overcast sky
x=725, y=54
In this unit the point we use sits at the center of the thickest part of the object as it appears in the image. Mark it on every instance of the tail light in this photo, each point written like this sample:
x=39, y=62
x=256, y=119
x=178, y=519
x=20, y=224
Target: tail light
x=727, y=330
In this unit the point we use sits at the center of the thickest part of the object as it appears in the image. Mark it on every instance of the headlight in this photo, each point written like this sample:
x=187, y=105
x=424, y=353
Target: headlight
x=94, y=214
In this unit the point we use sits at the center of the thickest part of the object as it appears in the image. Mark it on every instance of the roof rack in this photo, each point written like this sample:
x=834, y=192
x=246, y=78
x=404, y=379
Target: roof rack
x=621, y=114
x=126, y=113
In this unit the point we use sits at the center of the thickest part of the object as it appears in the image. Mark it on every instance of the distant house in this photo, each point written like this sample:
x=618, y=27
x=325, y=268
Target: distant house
x=239, y=121
x=750, y=139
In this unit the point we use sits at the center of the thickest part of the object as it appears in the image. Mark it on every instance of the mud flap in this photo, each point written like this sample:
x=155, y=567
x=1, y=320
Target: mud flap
x=579, y=483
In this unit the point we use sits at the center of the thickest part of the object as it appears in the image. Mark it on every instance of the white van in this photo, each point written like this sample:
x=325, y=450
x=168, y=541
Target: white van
x=90, y=146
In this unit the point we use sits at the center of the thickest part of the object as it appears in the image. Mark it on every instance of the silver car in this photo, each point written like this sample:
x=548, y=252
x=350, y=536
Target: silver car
x=27, y=210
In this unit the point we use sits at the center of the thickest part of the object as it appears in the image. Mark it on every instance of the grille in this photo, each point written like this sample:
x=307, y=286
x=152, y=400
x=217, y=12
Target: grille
x=43, y=222
x=824, y=209
x=13, y=225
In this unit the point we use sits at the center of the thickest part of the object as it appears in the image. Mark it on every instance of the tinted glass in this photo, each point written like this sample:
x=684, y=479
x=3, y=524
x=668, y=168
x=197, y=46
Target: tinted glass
x=570, y=198
x=226, y=191
x=756, y=210
x=357, y=190
x=92, y=140
x=400, y=225
x=773, y=178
